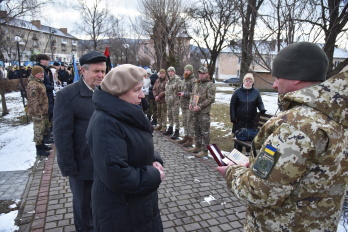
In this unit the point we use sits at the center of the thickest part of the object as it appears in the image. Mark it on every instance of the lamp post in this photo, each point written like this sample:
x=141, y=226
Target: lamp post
x=23, y=92
x=126, y=47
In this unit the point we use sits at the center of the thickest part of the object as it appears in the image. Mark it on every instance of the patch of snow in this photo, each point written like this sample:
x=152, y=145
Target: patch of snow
x=7, y=221
x=209, y=199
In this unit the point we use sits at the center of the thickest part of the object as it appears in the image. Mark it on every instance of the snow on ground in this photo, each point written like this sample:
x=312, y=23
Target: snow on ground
x=17, y=149
x=7, y=221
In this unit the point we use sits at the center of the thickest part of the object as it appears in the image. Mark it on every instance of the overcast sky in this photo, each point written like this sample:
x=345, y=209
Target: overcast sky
x=66, y=17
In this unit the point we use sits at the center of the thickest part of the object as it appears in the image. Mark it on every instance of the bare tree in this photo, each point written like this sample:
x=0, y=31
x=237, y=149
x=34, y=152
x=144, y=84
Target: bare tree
x=97, y=19
x=330, y=18
x=162, y=21
x=213, y=24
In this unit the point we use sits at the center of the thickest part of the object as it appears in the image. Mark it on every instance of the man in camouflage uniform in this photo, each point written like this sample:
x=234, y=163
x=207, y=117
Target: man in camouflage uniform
x=37, y=108
x=204, y=89
x=172, y=102
x=185, y=95
x=159, y=92
x=297, y=179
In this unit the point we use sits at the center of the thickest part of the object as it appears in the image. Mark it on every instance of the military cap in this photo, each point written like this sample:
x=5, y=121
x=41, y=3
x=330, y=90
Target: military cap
x=203, y=70
x=302, y=61
x=36, y=69
x=171, y=68
x=189, y=67
x=92, y=57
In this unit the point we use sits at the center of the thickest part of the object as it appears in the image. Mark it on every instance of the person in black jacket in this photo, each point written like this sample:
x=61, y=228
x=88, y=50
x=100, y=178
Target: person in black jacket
x=72, y=111
x=64, y=75
x=243, y=107
x=127, y=170
x=153, y=105
x=43, y=61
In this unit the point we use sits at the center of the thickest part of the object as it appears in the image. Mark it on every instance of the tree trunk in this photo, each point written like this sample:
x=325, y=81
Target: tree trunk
x=3, y=100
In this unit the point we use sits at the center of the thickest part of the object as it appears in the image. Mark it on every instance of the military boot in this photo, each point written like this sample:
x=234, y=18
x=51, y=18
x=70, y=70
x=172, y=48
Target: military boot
x=202, y=154
x=195, y=149
x=45, y=147
x=154, y=122
x=159, y=127
x=47, y=140
x=163, y=129
x=189, y=142
x=169, y=131
x=40, y=151
x=175, y=135
x=183, y=140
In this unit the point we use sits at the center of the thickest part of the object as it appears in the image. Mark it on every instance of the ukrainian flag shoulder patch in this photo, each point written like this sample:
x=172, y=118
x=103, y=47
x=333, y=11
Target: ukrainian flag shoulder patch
x=270, y=150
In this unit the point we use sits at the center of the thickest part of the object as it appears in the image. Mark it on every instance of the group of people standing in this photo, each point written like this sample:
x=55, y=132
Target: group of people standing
x=168, y=93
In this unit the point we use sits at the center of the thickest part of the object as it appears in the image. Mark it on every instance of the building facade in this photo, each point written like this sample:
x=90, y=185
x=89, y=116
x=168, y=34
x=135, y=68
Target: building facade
x=35, y=38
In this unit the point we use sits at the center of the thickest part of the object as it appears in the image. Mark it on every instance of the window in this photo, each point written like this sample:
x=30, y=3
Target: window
x=238, y=73
x=239, y=60
x=336, y=63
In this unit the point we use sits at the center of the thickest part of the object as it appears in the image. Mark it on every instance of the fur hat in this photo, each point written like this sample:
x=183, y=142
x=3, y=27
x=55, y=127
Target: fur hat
x=189, y=67
x=171, y=68
x=301, y=61
x=121, y=79
x=162, y=71
x=249, y=76
x=36, y=69
x=148, y=71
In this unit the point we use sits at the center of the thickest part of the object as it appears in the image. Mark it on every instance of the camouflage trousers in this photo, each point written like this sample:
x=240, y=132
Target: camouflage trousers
x=173, y=116
x=201, y=124
x=39, y=129
x=187, y=122
x=152, y=111
x=162, y=114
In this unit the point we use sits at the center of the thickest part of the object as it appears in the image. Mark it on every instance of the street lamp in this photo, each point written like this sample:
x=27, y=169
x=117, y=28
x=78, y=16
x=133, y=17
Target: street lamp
x=126, y=47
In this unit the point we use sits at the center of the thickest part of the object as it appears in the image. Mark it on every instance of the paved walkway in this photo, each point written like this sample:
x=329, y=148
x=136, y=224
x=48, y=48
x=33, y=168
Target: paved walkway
x=193, y=196
x=12, y=184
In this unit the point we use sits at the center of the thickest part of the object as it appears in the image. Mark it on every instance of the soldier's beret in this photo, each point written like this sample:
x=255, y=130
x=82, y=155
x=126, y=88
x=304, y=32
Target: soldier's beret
x=92, y=57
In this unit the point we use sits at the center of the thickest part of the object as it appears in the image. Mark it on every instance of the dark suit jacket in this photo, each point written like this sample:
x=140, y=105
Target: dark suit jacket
x=72, y=110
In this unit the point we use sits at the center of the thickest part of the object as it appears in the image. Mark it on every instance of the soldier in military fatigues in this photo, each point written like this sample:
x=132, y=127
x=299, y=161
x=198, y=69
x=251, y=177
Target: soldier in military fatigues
x=37, y=108
x=185, y=95
x=298, y=174
x=159, y=92
x=204, y=91
x=173, y=102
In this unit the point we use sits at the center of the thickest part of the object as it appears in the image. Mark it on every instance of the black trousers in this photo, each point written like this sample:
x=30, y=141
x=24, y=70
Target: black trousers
x=81, y=190
x=239, y=147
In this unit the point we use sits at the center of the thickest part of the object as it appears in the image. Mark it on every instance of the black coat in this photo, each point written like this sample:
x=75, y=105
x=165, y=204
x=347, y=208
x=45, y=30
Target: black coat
x=64, y=76
x=72, y=110
x=13, y=75
x=124, y=192
x=243, y=107
x=49, y=84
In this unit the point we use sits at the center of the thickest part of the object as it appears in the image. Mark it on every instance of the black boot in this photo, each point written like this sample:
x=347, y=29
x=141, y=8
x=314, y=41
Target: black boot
x=40, y=151
x=47, y=139
x=154, y=122
x=175, y=135
x=169, y=131
x=45, y=147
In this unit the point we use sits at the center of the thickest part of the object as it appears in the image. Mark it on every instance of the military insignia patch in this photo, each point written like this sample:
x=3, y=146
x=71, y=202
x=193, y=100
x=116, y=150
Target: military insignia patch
x=264, y=162
x=33, y=92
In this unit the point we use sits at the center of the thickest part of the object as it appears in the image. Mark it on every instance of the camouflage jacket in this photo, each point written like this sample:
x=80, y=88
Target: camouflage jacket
x=306, y=185
x=172, y=88
x=159, y=89
x=205, y=90
x=37, y=97
x=186, y=86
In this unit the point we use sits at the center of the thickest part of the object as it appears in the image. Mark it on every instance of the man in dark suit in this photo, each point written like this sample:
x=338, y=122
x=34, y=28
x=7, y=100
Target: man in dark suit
x=72, y=111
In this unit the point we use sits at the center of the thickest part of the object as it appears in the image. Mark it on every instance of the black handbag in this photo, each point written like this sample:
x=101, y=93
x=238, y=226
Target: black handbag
x=246, y=134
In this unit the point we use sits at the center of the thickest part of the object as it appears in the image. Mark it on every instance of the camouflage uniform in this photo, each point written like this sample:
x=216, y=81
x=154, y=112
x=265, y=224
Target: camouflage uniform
x=37, y=107
x=186, y=86
x=205, y=89
x=173, y=101
x=159, y=90
x=306, y=185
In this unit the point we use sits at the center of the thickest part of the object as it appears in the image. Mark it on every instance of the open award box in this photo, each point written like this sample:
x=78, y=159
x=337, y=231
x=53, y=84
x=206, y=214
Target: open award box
x=235, y=156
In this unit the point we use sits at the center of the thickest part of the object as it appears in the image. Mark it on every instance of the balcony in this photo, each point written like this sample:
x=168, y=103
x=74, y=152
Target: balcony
x=74, y=43
x=53, y=40
x=63, y=48
x=35, y=45
x=35, y=37
x=73, y=49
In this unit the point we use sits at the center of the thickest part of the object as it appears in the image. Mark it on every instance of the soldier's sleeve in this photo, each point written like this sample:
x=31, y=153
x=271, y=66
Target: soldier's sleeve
x=154, y=89
x=292, y=148
x=63, y=122
x=33, y=94
x=210, y=97
x=191, y=86
x=163, y=93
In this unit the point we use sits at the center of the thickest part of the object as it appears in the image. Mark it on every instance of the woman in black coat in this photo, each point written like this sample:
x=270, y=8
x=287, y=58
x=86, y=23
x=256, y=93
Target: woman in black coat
x=127, y=172
x=243, y=107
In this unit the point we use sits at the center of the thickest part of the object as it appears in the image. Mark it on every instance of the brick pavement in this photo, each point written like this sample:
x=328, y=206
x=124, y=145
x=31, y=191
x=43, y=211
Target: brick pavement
x=12, y=184
x=183, y=195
